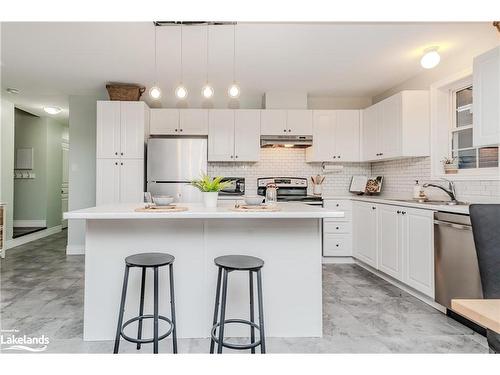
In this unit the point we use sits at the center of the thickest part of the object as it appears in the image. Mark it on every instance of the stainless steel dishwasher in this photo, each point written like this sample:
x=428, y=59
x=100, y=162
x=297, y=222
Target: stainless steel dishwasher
x=455, y=261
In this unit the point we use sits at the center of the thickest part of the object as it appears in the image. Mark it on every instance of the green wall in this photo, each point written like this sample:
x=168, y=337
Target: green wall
x=7, y=161
x=39, y=198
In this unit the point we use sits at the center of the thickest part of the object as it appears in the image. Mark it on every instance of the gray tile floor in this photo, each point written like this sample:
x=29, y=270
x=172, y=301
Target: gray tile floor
x=42, y=293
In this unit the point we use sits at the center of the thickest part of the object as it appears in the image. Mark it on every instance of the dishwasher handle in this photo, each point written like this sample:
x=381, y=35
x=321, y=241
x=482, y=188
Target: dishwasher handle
x=453, y=225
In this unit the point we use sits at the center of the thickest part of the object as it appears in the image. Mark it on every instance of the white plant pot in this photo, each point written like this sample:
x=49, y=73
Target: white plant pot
x=210, y=199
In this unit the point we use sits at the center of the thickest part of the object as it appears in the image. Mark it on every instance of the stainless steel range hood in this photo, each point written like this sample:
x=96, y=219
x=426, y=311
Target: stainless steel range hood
x=292, y=141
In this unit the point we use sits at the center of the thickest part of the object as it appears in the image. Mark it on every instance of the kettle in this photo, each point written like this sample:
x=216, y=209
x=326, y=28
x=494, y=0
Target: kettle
x=271, y=193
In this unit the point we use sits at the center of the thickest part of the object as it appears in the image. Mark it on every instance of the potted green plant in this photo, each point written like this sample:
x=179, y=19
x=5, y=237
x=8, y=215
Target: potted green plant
x=210, y=188
x=449, y=165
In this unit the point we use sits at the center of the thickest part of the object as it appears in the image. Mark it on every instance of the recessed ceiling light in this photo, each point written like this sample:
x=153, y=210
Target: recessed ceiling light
x=12, y=90
x=52, y=110
x=431, y=58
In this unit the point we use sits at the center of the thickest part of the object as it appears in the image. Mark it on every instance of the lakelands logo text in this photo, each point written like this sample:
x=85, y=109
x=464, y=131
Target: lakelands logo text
x=10, y=341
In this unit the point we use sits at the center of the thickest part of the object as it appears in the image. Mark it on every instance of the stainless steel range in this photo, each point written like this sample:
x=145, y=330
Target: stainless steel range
x=290, y=189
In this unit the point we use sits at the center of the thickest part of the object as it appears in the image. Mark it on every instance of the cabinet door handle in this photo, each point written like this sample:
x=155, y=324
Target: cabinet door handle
x=121, y=163
x=284, y=130
x=403, y=212
x=334, y=157
x=116, y=153
x=176, y=129
x=337, y=205
x=121, y=153
x=338, y=156
x=398, y=212
x=374, y=208
x=231, y=156
x=289, y=130
x=116, y=163
x=337, y=245
x=236, y=157
x=180, y=130
x=337, y=228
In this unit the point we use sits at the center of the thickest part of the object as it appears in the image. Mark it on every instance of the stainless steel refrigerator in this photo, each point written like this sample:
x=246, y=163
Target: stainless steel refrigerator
x=172, y=163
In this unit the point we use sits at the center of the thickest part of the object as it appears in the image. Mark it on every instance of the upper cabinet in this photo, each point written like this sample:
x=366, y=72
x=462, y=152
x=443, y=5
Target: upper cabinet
x=396, y=127
x=121, y=129
x=234, y=135
x=172, y=121
x=486, y=98
x=286, y=122
x=335, y=136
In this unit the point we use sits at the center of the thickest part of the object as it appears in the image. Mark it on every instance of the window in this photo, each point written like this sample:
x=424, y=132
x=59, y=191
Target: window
x=462, y=150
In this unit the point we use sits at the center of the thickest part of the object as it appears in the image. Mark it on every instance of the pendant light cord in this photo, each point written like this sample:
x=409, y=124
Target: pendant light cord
x=207, y=51
x=156, y=64
x=182, y=70
x=234, y=52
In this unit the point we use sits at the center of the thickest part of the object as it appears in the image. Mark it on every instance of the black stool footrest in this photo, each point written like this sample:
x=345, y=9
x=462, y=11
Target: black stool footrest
x=235, y=346
x=140, y=318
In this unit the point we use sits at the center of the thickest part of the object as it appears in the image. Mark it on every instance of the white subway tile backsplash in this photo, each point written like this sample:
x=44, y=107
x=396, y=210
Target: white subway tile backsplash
x=399, y=175
x=285, y=162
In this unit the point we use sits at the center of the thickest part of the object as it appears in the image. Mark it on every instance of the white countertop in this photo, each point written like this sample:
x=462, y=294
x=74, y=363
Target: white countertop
x=462, y=209
x=198, y=211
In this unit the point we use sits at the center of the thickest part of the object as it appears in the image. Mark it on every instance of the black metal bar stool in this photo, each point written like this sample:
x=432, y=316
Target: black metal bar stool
x=145, y=261
x=228, y=264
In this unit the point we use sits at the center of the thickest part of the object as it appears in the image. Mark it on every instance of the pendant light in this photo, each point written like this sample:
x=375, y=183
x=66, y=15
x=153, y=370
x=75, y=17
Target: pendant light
x=155, y=91
x=207, y=91
x=181, y=91
x=234, y=89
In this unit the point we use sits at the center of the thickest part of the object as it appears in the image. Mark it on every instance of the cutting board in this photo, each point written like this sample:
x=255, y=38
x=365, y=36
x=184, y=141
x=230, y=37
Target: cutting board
x=161, y=209
x=249, y=208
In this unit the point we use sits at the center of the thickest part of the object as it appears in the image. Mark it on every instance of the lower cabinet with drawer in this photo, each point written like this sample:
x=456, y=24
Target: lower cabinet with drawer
x=398, y=241
x=337, y=233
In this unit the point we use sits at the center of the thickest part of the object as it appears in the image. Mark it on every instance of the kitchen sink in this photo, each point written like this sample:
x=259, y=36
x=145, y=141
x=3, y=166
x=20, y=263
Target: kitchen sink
x=437, y=203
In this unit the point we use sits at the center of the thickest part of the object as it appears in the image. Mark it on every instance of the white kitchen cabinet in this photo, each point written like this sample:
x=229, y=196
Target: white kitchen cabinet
x=397, y=127
x=121, y=129
x=221, y=135
x=336, y=136
x=337, y=237
x=418, y=249
x=108, y=129
x=299, y=121
x=486, y=98
x=119, y=181
x=107, y=181
x=234, y=135
x=389, y=240
x=273, y=121
x=164, y=121
x=286, y=122
x=247, y=135
x=131, y=180
x=193, y=122
x=364, y=218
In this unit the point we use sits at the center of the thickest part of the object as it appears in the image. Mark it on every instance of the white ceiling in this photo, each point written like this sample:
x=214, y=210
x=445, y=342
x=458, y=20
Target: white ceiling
x=50, y=61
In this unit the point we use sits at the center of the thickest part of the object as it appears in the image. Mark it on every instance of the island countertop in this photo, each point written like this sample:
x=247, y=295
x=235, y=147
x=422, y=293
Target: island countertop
x=198, y=211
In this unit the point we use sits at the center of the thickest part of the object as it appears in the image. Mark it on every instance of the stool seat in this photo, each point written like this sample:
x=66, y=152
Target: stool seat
x=149, y=260
x=239, y=262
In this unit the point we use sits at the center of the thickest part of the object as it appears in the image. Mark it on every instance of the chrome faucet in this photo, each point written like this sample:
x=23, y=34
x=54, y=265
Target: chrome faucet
x=450, y=191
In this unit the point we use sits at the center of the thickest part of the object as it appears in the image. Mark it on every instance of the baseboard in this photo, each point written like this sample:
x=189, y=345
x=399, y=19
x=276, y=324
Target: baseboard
x=32, y=237
x=30, y=223
x=422, y=297
x=75, y=250
x=337, y=260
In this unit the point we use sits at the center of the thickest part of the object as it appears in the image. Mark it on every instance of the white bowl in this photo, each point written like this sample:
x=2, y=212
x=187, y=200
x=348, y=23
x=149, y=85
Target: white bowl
x=162, y=200
x=253, y=200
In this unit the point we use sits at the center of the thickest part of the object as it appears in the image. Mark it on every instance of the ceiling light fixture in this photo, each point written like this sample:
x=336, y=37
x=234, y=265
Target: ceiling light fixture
x=234, y=89
x=181, y=92
x=155, y=91
x=431, y=58
x=12, y=90
x=207, y=91
x=52, y=110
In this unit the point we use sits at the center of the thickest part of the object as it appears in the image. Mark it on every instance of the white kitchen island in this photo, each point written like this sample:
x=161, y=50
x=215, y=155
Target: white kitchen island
x=289, y=241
